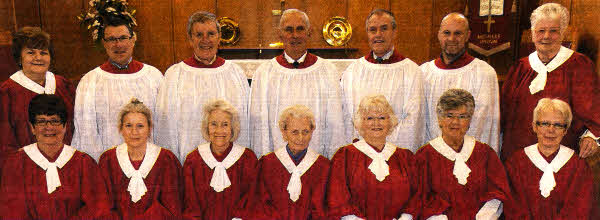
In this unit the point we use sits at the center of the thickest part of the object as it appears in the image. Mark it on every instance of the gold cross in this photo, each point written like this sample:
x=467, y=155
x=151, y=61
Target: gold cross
x=489, y=23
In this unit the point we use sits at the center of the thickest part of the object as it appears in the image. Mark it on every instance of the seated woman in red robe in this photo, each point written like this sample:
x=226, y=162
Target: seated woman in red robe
x=49, y=179
x=549, y=180
x=462, y=177
x=292, y=180
x=144, y=179
x=372, y=178
x=218, y=175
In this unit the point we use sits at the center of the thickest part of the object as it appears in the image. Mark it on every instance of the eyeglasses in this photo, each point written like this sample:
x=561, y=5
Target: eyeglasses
x=546, y=124
x=117, y=39
x=53, y=122
x=461, y=117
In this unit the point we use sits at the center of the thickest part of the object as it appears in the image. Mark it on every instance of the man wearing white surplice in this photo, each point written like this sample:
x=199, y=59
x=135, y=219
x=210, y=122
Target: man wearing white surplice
x=385, y=71
x=455, y=68
x=296, y=77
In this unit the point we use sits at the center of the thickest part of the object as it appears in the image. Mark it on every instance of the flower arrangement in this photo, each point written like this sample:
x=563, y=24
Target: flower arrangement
x=93, y=19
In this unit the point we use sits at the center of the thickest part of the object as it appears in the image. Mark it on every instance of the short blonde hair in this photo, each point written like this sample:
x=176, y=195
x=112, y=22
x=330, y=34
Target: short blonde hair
x=377, y=103
x=222, y=105
x=296, y=111
x=550, y=11
x=135, y=106
x=547, y=105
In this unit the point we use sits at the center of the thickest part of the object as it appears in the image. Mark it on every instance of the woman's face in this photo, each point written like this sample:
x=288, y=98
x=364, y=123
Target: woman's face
x=35, y=61
x=135, y=129
x=454, y=123
x=48, y=130
x=297, y=133
x=547, y=37
x=550, y=128
x=375, y=125
x=219, y=128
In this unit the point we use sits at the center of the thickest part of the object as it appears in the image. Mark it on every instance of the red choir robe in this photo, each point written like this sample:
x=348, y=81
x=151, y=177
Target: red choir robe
x=309, y=60
x=163, y=200
x=571, y=198
x=201, y=201
x=192, y=61
x=14, y=119
x=273, y=199
x=133, y=67
x=444, y=195
x=354, y=190
x=394, y=58
x=83, y=193
x=573, y=82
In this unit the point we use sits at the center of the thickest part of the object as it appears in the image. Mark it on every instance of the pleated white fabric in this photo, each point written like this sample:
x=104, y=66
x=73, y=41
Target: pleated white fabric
x=52, y=178
x=539, y=82
x=181, y=99
x=461, y=171
x=48, y=88
x=136, y=187
x=547, y=182
x=274, y=88
x=99, y=98
x=220, y=180
x=294, y=187
x=401, y=84
x=477, y=77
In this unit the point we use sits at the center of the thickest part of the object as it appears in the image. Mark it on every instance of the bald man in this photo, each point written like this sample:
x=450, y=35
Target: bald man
x=455, y=68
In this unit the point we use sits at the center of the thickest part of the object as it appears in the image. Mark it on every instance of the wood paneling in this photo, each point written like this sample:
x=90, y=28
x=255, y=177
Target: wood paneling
x=182, y=9
x=27, y=13
x=155, y=33
x=358, y=11
x=589, y=32
x=247, y=20
x=414, y=23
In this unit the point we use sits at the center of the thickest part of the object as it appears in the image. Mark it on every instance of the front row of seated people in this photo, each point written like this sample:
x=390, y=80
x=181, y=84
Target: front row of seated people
x=454, y=176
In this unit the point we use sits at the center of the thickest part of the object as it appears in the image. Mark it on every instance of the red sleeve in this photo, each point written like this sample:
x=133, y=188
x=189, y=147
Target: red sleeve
x=497, y=181
x=94, y=192
x=12, y=189
x=248, y=182
x=169, y=202
x=318, y=206
x=338, y=193
x=433, y=204
x=66, y=90
x=517, y=208
x=414, y=205
x=506, y=95
x=585, y=94
x=8, y=141
x=580, y=195
x=191, y=207
x=262, y=202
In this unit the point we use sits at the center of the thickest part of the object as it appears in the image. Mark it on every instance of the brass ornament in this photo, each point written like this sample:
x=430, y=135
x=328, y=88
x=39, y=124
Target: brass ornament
x=337, y=31
x=230, y=31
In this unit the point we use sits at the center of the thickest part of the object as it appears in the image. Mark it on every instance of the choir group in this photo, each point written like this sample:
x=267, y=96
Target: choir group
x=384, y=139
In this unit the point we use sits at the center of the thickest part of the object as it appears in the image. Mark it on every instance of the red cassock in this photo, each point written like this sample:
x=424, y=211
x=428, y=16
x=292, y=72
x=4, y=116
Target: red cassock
x=573, y=82
x=354, y=190
x=443, y=194
x=201, y=201
x=571, y=198
x=163, y=200
x=83, y=194
x=14, y=118
x=273, y=200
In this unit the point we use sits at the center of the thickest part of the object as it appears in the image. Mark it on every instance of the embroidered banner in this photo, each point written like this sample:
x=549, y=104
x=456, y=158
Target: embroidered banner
x=490, y=22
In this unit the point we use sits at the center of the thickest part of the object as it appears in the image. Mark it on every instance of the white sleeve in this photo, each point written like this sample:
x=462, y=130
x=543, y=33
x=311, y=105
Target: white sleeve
x=411, y=118
x=336, y=125
x=86, y=136
x=405, y=216
x=167, y=113
x=486, y=119
x=259, y=111
x=491, y=210
x=351, y=217
x=438, y=217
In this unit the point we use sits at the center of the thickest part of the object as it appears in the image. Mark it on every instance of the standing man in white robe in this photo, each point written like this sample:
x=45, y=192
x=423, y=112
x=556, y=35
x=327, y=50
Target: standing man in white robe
x=455, y=68
x=296, y=78
x=384, y=71
x=195, y=81
x=103, y=91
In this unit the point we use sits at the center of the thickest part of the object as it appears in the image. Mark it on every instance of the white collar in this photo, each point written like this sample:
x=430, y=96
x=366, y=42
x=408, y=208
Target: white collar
x=294, y=187
x=539, y=82
x=49, y=86
x=52, y=178
x=220, y=180
x=386, y=55
x=137, y=187
x=547, y=182
x=461, y=171
x=291, y=60
x=378, y=166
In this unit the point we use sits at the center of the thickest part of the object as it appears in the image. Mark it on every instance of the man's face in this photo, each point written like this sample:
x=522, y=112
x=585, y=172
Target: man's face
x=204, y=40
x=381, y=34
x=453, y=36
x=118, y=43
x=294, y=34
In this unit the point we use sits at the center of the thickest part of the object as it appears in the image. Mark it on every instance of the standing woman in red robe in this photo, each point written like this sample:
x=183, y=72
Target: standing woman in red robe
x=144, y=179
x=372, y=178
x=49, y=179
x=218, y=175
x=32, y=50
x=552, y=71
x=462, y=178
x=548, y=179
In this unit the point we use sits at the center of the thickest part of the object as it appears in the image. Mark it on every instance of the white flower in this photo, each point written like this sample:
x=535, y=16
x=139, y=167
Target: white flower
x=110, y=9
x=96, y=23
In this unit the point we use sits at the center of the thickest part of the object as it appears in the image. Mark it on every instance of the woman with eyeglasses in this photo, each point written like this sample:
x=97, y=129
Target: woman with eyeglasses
x=548, y=179
x=462, y=178
x=49, y=179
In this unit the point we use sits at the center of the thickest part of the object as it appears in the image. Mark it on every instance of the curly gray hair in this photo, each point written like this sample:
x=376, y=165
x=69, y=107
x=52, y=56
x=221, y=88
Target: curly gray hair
x=222, y=105
x=550, y=11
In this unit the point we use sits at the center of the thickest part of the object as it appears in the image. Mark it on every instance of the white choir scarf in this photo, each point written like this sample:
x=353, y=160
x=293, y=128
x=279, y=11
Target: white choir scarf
x=294, y=187
x=378, y=166
x=547, y=182
x=220, y=180
x=539, y=82
x=461, y=170
x=52, y=178
x=49, y=86
x=137, y=187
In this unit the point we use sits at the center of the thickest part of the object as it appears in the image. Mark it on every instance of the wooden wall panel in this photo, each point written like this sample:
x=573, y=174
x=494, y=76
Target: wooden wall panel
x=182, y=9
x=27, y=13
x=358, y=10
x=440, y=9
x=414, y=23
x=319, y=12
x=270, y=22
x=244, y=14
x=587, y=17
x=155, y=33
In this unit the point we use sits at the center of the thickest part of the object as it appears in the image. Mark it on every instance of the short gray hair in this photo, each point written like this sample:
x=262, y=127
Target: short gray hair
x=550, y=11
x=377, y=103
x=453, y=99
x=379, y=11
x=135, y=106
x=222, y=105
x=547, y=105
x=202, y=17
x=294, y=11
x=296, y=111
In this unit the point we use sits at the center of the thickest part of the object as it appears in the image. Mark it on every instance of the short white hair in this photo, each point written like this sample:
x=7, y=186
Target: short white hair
x=294, y=11
x=547, y=105
x=550, y=11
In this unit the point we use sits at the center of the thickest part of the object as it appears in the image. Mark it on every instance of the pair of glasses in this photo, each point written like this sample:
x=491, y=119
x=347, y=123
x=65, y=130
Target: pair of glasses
x=459, y=117
x=546, y=124
x=45, y=123
x=117, y=39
